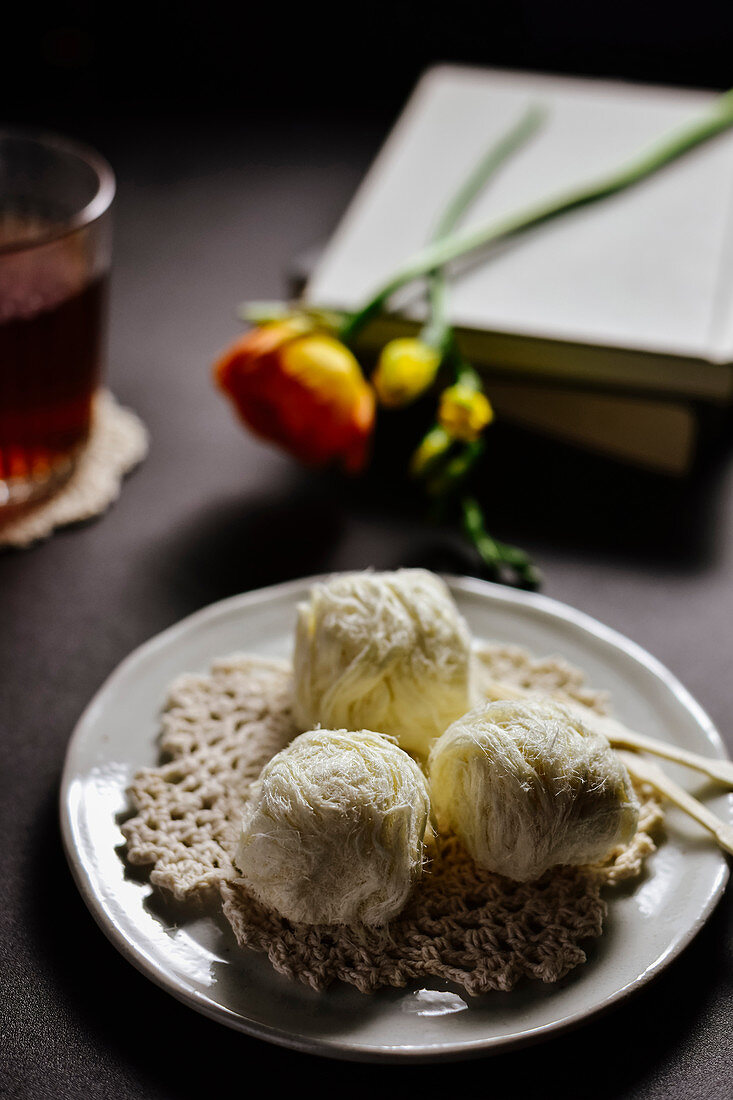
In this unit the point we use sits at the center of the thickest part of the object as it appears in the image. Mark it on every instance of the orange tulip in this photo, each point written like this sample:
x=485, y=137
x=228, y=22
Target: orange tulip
x=302, y=389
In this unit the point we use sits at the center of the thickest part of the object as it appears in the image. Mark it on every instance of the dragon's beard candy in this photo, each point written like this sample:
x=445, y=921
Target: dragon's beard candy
x=333, y=832
x=383, y=651
x=527, y=786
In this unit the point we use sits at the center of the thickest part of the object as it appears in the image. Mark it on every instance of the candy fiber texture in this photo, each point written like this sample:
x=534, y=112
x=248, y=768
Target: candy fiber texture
x=382, y=651
x=526, y=786
x=333, y=831
x=219, y=731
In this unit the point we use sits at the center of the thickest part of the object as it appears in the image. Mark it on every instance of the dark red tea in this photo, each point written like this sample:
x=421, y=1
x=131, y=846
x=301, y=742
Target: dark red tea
x=51, y=333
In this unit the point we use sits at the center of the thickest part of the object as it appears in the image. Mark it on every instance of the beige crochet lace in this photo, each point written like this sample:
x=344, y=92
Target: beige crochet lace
x=463, y=925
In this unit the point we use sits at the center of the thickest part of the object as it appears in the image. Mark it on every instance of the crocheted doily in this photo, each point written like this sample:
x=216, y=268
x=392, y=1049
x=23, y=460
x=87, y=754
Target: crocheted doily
x=462, y=924
x=118, y=441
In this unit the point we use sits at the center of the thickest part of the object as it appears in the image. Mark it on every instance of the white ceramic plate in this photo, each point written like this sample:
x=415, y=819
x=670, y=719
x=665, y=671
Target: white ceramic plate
x=197, y=959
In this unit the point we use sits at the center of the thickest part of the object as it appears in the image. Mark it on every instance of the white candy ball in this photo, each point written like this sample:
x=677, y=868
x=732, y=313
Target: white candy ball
x=334, y=830
x=385, y=651
x=527, y=786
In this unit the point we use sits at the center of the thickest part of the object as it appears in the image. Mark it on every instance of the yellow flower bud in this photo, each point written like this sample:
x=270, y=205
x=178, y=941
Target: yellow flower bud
x=433, y=445
x=405, y=369
x=464, y=412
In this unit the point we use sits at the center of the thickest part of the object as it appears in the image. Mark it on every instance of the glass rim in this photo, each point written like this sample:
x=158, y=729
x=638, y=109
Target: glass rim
x=98, y=205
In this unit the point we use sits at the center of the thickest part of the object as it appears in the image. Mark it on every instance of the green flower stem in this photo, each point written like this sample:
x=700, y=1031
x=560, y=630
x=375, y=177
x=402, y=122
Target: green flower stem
x=455, y=471
x=437, y=331
x=451, y=463
x=439, y=253
x=264, y=313
x=432, y=451
x=467, y=376
x=496, y=556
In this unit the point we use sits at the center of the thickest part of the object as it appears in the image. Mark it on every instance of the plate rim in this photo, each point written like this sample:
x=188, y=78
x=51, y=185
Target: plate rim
x=333, y=1047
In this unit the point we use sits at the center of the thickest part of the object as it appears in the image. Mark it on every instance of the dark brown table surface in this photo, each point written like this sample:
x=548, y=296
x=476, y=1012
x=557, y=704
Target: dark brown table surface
x=210, y=214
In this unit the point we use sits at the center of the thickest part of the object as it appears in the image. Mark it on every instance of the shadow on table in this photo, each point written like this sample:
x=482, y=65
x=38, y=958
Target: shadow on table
x=248, y=542
x=548, y=498
x=123, y=1036
x=552, y=497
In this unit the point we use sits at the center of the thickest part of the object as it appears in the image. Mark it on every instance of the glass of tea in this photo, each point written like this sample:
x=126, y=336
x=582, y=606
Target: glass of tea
x=55, y=237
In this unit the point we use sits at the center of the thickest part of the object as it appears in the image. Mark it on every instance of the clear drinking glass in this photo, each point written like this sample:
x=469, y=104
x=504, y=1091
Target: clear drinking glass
x=55, y=237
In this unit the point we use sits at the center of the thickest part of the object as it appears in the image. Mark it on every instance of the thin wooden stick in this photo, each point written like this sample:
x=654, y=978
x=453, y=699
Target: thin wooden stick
x=619, y=735
x=646, y=771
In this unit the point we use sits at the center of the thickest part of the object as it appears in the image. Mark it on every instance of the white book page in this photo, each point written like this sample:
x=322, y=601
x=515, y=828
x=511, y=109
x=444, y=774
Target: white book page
x=638, y=270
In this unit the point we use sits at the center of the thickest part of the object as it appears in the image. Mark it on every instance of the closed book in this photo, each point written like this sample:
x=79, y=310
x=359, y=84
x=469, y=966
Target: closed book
x=634, y=292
